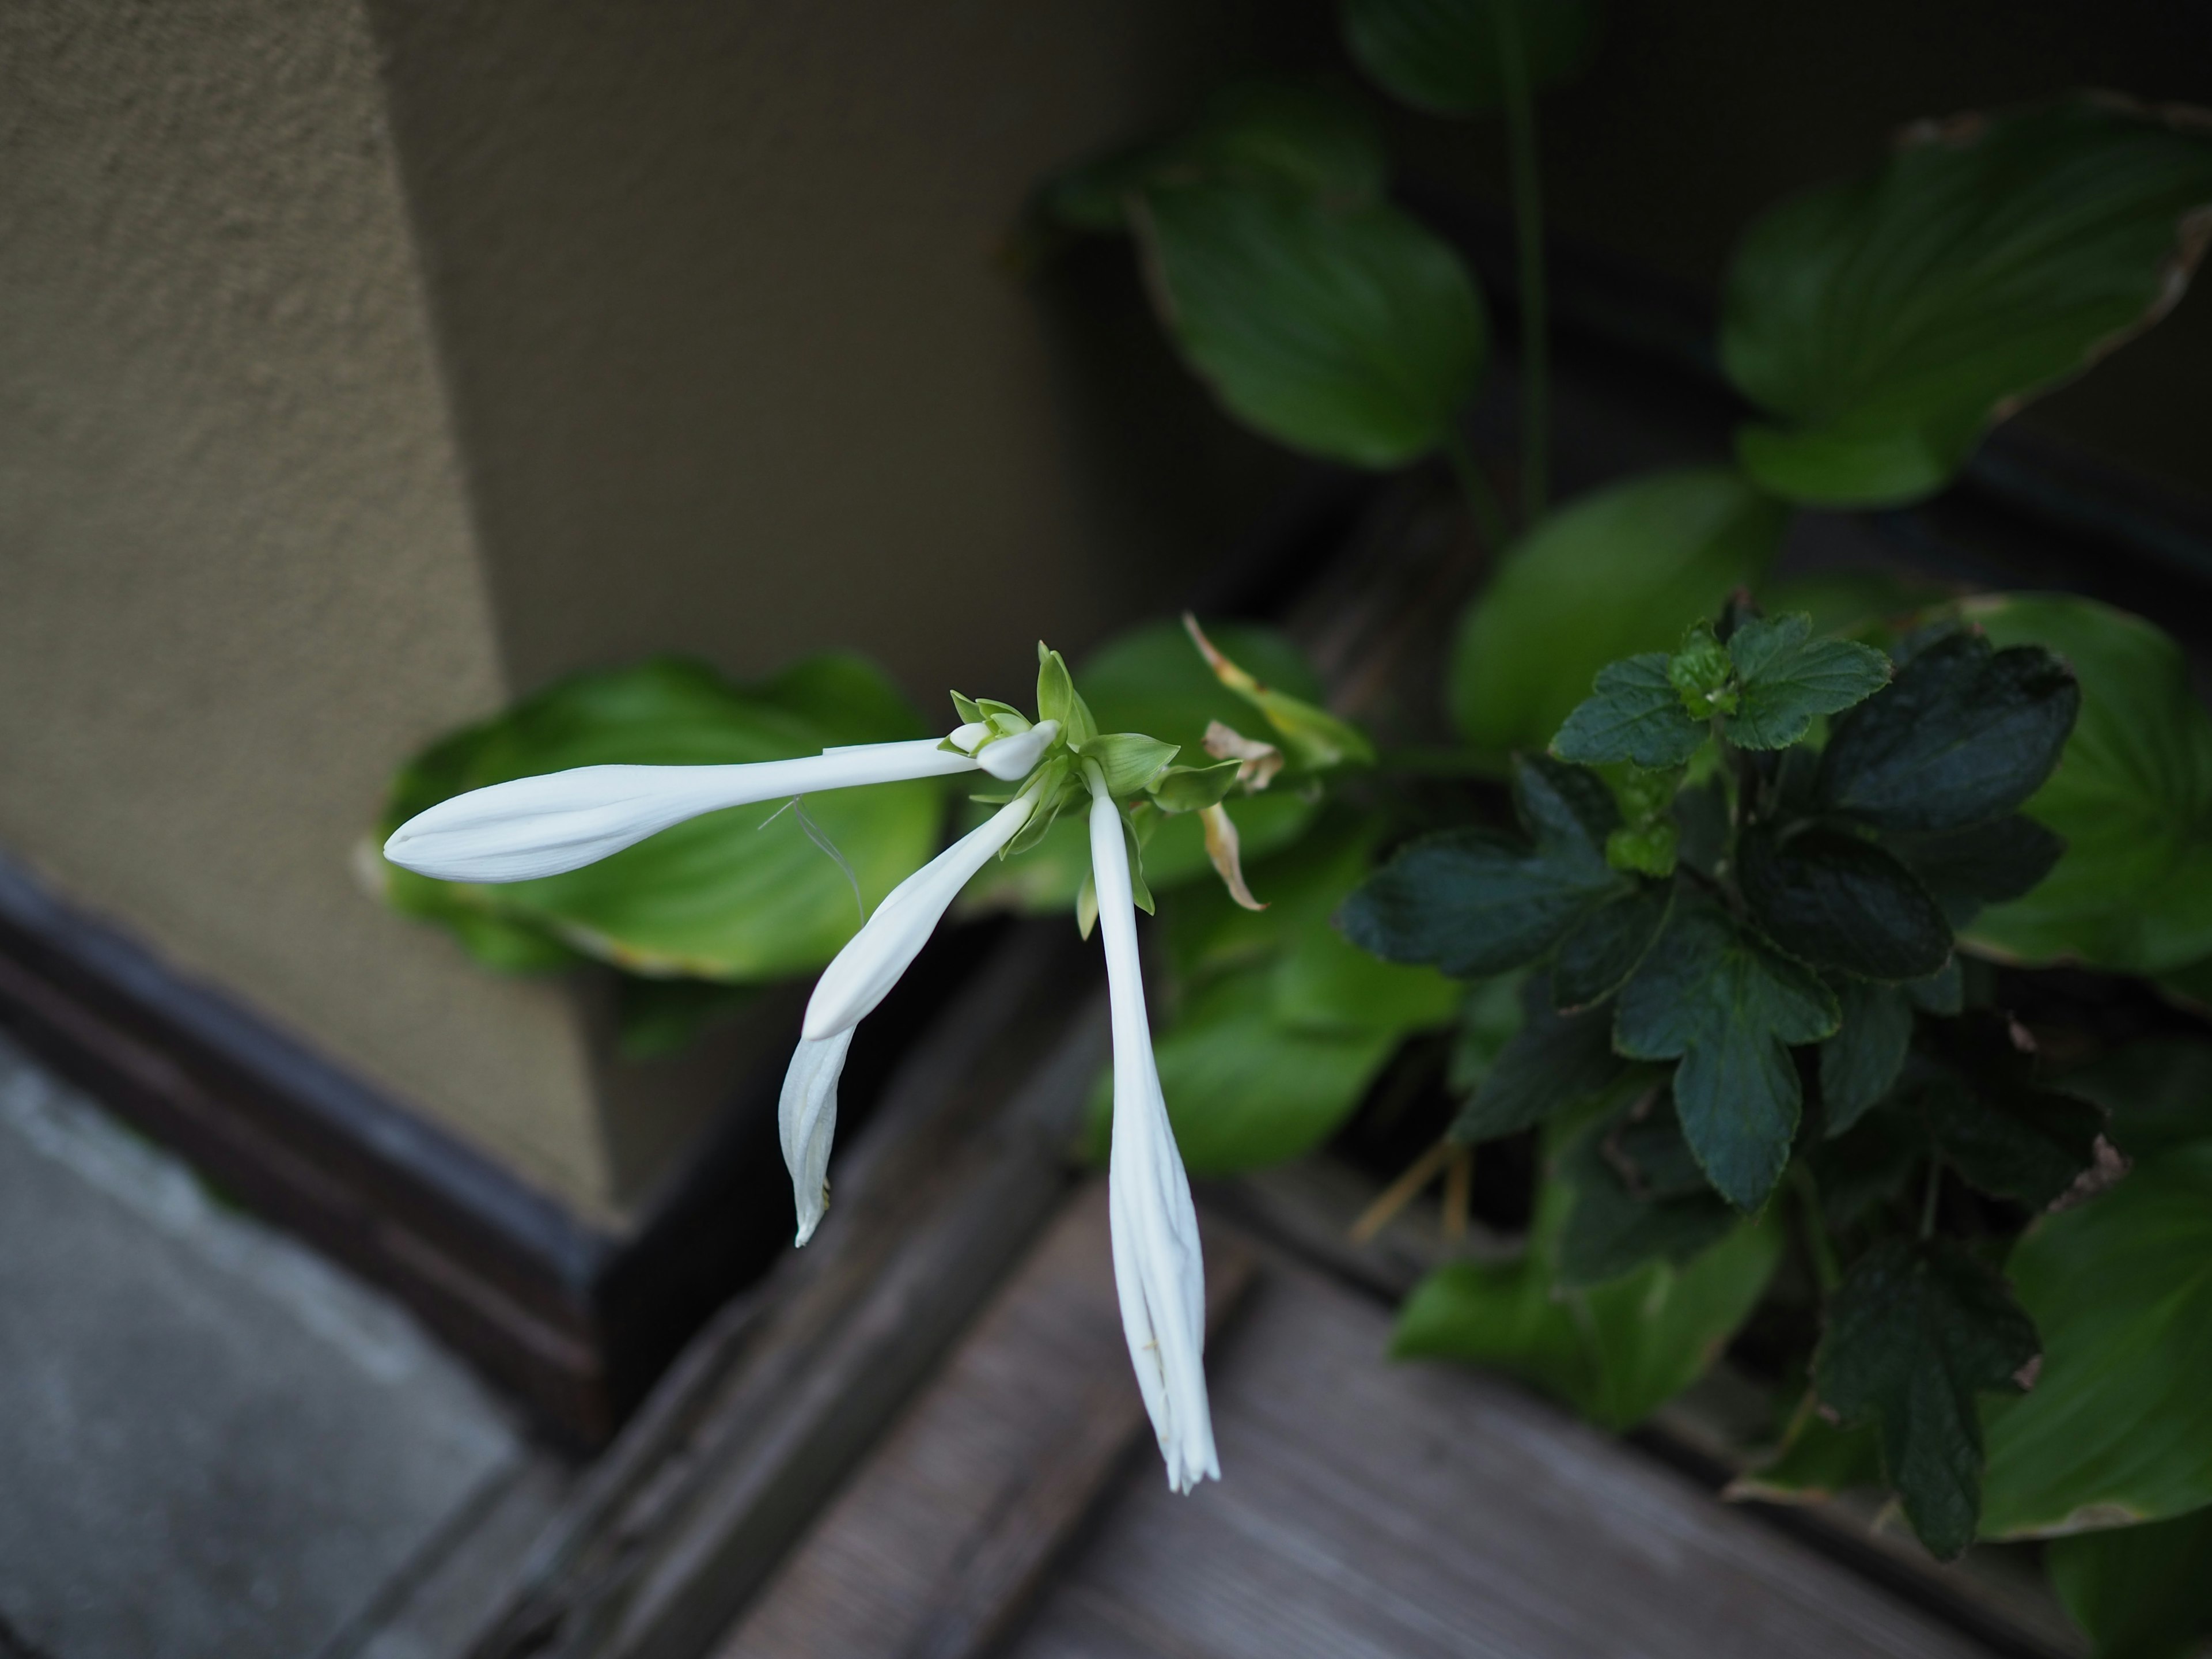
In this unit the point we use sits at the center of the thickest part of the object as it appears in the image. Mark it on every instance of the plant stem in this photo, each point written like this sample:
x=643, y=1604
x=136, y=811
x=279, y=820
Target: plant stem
x=1817, y=1244
x=1459, y=1192
x=1481, y=500
x=1528, y=236
x=1400, y=1192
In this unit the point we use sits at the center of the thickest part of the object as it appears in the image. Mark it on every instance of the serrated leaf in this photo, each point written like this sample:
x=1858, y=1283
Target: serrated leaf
x=1351, y=334
x=2139, y=1592
x=1840, y=903
x=1637, y=1196
x=1885, y=324
x=1913, y=1334
x=1860, y=1064
x=1786, y=679
x=1861, y=1171
x=2119, y=1428
x=1555, y=1063
x=1623, y=570
x=1473, y=902
x=1727, y=1007
x=1635, y=715
x=1999, y=1128
x=1447, y=57
x=2132, y=798
x=1964, y=734
x=1602, y=949
x=1981, y=864
x=1132, y=763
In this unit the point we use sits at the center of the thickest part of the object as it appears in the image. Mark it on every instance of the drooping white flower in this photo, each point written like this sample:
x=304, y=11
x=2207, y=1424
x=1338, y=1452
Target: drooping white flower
x=807, y=1123
x=563, y=821
x=1158, y=1269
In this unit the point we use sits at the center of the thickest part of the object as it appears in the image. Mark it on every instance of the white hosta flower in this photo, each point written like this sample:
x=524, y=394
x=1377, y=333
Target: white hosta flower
x=565, y=820
x=1156, y=1266
x=807, y=1122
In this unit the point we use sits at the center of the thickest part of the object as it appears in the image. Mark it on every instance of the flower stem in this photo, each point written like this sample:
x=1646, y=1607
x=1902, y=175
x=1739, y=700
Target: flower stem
x=1528, y=238
x=1482, y=504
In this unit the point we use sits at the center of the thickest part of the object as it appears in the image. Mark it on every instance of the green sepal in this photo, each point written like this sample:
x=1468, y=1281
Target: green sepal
x=1132, y=761
x=971, y=711
x=1193, y=788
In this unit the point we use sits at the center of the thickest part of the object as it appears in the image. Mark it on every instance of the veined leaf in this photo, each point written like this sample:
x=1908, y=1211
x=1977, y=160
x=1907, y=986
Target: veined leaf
x=2140, y=1592
x=1554, y=1063
x=1787, y=678
x=1887, y=323
x=1860, y=1064
x=1639, y=1195
x=1447, y=57
x=1981, y=864
x=1841, y=902
x=1635, y=715
x=1603, y=949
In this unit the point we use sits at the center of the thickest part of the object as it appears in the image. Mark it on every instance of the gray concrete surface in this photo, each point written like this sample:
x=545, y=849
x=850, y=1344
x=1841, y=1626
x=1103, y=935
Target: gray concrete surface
x=212, y=1443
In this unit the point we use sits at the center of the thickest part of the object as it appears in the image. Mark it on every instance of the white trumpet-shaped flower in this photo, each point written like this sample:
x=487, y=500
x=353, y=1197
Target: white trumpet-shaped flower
x=1157, y=1268
x=807, y=1123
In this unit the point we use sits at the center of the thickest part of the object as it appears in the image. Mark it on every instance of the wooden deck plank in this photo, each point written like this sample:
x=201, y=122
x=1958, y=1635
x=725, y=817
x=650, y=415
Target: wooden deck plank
x=1424, y=1511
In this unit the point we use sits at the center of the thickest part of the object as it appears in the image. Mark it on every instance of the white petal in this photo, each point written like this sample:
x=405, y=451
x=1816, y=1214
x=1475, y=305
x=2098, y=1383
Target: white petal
x=870, y=964
x=562, y=820
x=965, y=737
x=1010, y=758
x=1158, y=1269
x=806, y=1120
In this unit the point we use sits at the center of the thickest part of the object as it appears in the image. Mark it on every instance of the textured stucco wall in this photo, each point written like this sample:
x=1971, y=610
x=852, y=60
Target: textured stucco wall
x=237, y=575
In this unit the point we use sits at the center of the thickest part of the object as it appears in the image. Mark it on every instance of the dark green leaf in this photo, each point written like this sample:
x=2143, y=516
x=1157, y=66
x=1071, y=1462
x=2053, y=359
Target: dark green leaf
x=1864, y=1170
x=1638, y=1196
x=1913, y=1334
x=1729, y=1006
x=1702, y=814
x=1623, y=570
x=1597, y=957
x=1837, y=902
x=1962, y=735
x=1555, y=1062
x=1787, y=678
x=1860, y=1062
x=1983, y=864
x=1447, y=57
x=1887, y=323
x=2119, y=1428
x=2140, y=1592
x=1355, y=335
x=1998, y=1127
x=1636, y=714
x=1817, y=1461
x=1489, y=1017
x=1474, y=903
x=2159, y=1091
x=658, y=1016
x=1940, y=992
x=2132, y=798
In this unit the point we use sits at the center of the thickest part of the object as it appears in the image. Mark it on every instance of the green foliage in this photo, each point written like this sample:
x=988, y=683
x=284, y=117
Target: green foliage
x=1638, y=1196
x=1788, y=679
x=1885, y=324
x=1916, y=1332
x=2139, y=1594
x=2158, y=1093
x=1860, y=1063
x=1552, y=1065
x=1624, y=570
x=716, y=897
x=2119, y=1427
x=1837, y=900
x=657, y=1018
x=1446, y=56
x=2132, y=797
x=1817, y=1459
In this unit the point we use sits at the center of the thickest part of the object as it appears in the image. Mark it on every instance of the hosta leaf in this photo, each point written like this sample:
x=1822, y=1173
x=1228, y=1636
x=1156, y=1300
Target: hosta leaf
x=1841, y=902
x=1327, y=983
x=1964, y=734
x=1727, y=1006
x=1446, y=56
x=1473, y=902
x=1635, y=715
x=1786, y=678
x=1603, y=949
x=1914, y=1334
x=1623, y=570
x=1860, y=1062
x=1981, y=864
x=1885, y=324
x=658, y=1016
x=2119, y=1428
x=2132, y=797
x=2140, y=1592
x=1353, y=334
x=1816, y=1460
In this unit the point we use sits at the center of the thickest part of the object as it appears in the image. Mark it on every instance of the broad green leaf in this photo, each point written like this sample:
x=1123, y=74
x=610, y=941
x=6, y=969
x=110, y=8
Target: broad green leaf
x=1262, y=134
x=655, y=1018
x=1816, y=1460
x=2159, y=1091
x=1786, y=678
x=1839, y=902
x=2139, y=1592
x=1617, y=1352
x=1623, y=570
x=1554, y=1063
x=1475, y=902
x=1981, y=865
x=1207, y=932
x=1860, y=1062
x=719, y=896
x=1961, y=736
x=1639, y=1195
x=1636, y=714
x=2119, y=1427
x=1327, y=983
x=1726, y=1005
x=1603, y=949
x=1885, y=324
x=1914, y=1334
x=1351, y=334
x=1447, y=56
x=2132, y=797
x=1869, y=605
